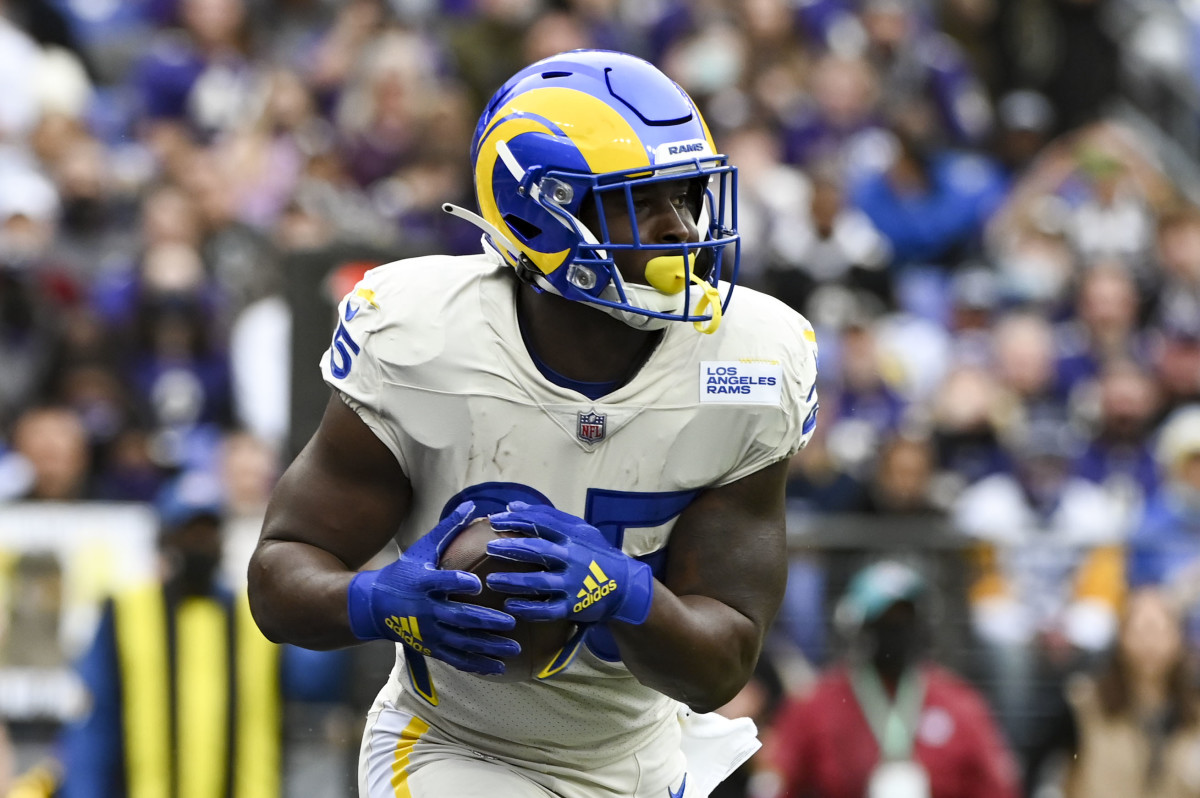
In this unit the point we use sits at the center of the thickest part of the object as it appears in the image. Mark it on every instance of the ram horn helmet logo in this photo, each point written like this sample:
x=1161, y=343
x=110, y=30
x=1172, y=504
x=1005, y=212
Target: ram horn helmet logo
x=591, y=427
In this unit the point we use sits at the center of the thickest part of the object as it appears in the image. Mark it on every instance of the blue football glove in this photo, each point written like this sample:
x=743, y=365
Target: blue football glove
x=407, y=601
x=587, y=579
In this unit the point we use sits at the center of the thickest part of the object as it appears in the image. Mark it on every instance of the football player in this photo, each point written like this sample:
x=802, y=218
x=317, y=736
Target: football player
x=588, y=379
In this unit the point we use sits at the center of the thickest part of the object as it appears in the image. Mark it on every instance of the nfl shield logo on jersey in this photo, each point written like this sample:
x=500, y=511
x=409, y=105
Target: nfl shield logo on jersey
x=591, y=427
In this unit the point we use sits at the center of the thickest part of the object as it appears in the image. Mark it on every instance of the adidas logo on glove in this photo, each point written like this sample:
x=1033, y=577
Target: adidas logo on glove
x=595, y=587
x=409, y=632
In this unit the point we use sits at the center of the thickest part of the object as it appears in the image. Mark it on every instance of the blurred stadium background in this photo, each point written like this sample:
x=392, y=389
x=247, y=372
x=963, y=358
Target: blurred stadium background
x=987, y=208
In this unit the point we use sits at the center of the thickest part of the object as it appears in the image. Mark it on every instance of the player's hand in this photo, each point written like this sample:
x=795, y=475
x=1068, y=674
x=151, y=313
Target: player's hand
x=586, y=580
x=407, y=601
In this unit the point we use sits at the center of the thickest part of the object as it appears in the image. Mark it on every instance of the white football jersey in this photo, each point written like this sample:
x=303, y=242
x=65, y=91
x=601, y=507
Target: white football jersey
x=429, y=353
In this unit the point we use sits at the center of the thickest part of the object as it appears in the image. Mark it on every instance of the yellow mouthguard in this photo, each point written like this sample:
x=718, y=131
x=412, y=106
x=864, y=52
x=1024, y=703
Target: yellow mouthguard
x=666, y=274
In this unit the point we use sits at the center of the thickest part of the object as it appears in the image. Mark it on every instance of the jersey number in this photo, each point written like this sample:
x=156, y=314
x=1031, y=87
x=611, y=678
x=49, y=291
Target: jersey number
x=610, y=511
x=340, y=359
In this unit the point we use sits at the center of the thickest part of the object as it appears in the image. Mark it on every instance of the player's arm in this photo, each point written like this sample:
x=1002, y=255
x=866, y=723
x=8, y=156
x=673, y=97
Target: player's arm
x=337, y=505
x=695, y=635
x=724, y=581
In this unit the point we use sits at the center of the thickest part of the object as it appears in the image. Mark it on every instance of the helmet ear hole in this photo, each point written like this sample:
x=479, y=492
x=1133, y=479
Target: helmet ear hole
x=523, y=228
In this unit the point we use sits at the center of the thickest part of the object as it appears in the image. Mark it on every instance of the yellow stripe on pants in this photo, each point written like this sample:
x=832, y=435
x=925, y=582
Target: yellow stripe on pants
x=404, y=746
x=202, y=687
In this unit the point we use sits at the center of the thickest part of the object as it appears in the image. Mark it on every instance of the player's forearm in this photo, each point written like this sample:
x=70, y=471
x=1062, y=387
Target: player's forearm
x=693, y=648
x=298, y=595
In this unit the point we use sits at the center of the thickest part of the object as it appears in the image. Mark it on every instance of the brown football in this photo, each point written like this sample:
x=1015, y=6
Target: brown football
x=540, y=641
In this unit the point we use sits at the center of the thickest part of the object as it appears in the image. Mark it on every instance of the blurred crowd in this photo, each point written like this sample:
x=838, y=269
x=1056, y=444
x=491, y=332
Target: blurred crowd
x=1004, y=276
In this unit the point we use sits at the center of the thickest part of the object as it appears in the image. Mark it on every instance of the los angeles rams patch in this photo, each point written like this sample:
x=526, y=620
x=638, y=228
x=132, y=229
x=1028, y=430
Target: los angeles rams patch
x=754, y=382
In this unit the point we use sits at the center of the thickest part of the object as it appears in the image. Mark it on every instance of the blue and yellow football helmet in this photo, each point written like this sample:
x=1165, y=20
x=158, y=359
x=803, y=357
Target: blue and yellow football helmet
x=575, y=128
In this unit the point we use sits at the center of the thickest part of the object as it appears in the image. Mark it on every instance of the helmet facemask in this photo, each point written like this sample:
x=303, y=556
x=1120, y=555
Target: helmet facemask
x=566, y=145
x=680, y=281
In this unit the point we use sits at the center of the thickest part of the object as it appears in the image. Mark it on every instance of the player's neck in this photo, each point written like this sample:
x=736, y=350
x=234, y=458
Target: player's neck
x=581, y=342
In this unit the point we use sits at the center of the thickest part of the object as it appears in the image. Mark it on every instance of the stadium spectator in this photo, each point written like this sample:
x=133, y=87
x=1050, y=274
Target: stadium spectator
x=838, y=120
x=1024, y=359
x=20, y=57
x=555, y=32
x=975, y=305
x=260, y=160
x=1177, y=257
x=1046, y=579
x=816, y=243
x=833, y=24
x=93, y=389
x=887, y=721
x=1098, y=188
x=863, y=393
x=411, y=198
x=902, y=481
x=1139, y=722
x=176, y=361
x=240, y=257
x=918, y=64
x=1110, y=220
x=710, y=59
x=1034, y=260
x=53, y=442
x=480, y=43
x=1104, y=328
x=1132, y=727
x=820, y=480
x=184, y=689
x=1164, y=549
x=336, y=47
x=1119, y=455
x=1024, y=126
x=1175, y=354
x=95, y=231
x=248, y=470
x=199, y=77
x=131, y=469
x=931, y=204
x=1081, y=78
x=772, y=197
x=29, y=341
x=970, y=409
x=776, y=64
x=383, y=111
